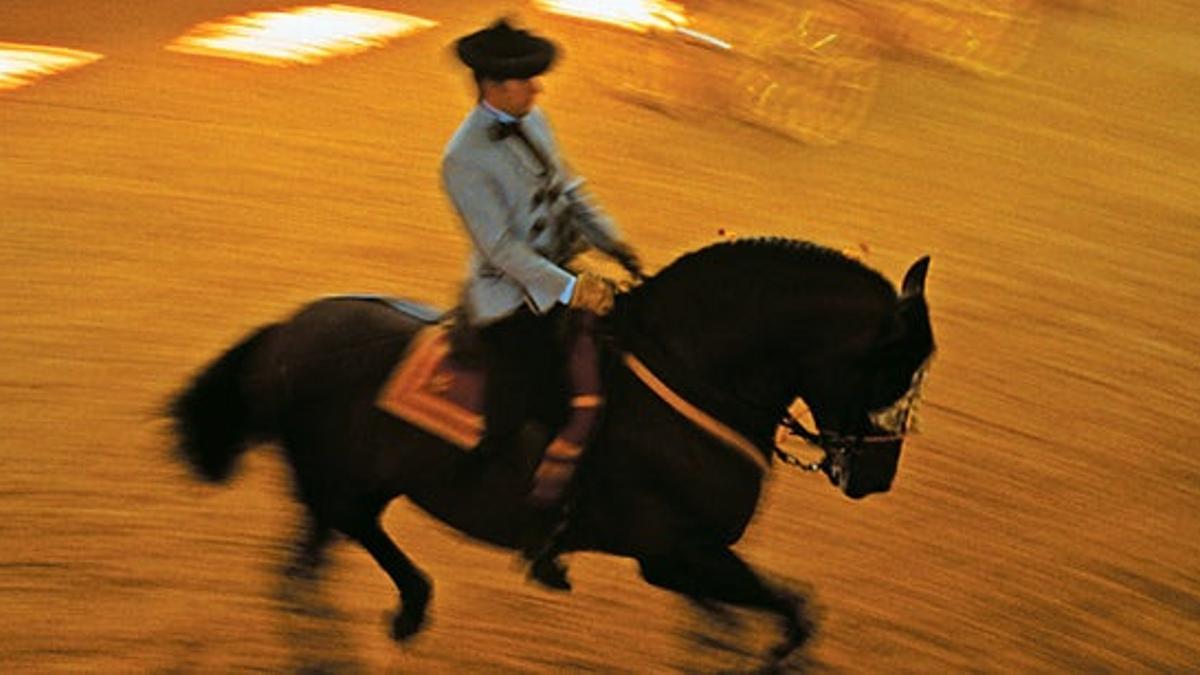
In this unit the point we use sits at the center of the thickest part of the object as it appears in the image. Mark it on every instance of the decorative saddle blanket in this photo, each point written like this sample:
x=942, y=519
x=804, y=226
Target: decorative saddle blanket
x=435, y=392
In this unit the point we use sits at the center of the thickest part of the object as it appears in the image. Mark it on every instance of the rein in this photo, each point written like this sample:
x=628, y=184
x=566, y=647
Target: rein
x=835, y=445
x=899, y=416
x=831, y=442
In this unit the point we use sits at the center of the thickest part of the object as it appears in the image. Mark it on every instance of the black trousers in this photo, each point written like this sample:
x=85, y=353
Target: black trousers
x=526, y=379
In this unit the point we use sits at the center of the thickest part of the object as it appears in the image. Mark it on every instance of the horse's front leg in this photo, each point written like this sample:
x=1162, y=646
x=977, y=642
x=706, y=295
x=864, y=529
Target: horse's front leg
x=716, y=573
x=414, y=586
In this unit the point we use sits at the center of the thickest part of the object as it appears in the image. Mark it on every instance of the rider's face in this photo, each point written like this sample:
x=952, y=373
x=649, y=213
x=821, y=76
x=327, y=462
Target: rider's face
x=515, y=97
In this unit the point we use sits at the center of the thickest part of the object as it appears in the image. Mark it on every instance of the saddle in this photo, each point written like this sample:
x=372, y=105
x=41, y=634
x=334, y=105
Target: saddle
x=434, y=390
x=438, y=386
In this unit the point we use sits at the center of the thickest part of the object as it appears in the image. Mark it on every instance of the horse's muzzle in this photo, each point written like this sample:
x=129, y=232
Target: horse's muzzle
x=865, y=467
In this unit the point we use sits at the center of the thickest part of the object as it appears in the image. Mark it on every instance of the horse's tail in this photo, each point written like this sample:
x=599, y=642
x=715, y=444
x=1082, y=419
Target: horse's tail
x=216, y=418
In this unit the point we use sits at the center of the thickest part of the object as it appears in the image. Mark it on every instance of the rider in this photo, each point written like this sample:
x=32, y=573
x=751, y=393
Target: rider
x=527, y=216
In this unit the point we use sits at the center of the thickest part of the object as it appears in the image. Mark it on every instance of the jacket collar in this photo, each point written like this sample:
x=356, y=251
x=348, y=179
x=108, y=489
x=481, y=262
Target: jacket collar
x=497, y=114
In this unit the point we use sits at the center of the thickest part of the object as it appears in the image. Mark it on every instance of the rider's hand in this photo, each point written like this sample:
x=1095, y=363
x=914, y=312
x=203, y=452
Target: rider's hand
x=623, y=254
x=593, y=293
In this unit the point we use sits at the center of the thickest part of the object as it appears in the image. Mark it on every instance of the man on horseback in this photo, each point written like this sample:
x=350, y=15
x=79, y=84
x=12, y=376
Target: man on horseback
x=527, y=216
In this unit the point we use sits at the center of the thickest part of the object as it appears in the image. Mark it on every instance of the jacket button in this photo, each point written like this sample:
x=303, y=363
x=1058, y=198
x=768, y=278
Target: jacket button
x=538, y=226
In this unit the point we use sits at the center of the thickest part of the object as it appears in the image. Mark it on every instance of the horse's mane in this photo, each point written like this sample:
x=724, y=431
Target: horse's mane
x=699, y=313
x=759, y=251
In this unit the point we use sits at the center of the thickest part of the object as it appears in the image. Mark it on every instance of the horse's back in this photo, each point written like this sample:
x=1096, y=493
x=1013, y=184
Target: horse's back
x=353, y=318
x=343, y=342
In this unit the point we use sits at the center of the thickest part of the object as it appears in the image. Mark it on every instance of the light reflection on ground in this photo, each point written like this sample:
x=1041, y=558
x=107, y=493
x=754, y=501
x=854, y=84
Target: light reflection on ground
x=23, y=64
x=303, y=35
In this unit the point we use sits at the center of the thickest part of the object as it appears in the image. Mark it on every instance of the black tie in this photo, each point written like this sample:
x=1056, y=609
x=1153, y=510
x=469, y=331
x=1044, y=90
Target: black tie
x=502, y=130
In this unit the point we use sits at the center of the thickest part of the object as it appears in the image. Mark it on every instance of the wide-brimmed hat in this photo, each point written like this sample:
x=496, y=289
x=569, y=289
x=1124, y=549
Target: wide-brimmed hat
x=501, y=52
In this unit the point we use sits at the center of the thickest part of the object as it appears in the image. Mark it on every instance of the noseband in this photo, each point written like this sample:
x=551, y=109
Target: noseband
x=897, y=418
x=836, y=446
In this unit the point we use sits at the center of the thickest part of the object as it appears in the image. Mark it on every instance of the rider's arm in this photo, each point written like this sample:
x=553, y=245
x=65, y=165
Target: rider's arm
x=593, y=223
x=598, y=229
x=479, y=203
x=588, y=218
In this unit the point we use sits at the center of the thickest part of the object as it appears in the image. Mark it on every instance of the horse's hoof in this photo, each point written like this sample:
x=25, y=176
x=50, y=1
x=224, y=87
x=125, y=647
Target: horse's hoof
x=407, y=624
x=404, y=626
x=411, y=618
x=799, y=629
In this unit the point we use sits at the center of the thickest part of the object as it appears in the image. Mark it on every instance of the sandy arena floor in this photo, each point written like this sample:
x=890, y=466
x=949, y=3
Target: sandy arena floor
x=156, y=205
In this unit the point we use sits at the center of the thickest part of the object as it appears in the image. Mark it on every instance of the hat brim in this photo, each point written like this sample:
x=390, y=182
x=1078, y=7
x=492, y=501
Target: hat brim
x=501, y=53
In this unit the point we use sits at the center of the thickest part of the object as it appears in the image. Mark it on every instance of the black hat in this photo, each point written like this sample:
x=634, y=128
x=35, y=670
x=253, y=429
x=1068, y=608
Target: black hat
x=501, y=52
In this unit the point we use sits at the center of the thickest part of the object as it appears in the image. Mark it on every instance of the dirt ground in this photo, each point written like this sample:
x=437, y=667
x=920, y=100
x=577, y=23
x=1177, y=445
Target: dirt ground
x=155, y=206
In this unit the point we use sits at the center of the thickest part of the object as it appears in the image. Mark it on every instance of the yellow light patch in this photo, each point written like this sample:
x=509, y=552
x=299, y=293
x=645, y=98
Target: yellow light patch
x=23, y=64
x=304, y=35
x=638, y=15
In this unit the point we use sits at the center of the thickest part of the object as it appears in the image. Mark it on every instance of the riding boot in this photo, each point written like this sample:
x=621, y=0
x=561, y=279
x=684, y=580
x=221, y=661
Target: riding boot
x=544, y=565
x=544, y=541
x=555, y=473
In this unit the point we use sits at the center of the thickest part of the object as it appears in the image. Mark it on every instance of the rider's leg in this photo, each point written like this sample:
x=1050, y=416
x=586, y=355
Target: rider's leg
x=556, y=473
x=521, y=354
x=510, y=361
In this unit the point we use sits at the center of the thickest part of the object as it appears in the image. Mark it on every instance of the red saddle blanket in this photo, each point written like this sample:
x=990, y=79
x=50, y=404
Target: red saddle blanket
x=432, y=390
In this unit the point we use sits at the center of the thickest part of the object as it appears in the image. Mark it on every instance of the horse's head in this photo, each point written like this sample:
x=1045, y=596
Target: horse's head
x=864, y=405
x=746, y=327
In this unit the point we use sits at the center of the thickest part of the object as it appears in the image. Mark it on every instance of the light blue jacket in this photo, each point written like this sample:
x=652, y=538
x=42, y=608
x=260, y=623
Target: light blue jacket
x=525, y=226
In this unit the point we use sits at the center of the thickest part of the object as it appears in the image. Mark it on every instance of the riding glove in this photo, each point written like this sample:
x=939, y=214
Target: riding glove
x=623, y=254
x=593, y=293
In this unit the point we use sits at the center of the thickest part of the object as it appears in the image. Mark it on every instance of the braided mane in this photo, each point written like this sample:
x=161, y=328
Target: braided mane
x=771, y=249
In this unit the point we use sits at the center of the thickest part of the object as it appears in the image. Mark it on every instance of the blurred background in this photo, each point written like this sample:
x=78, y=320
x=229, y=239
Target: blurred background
x=163, y=191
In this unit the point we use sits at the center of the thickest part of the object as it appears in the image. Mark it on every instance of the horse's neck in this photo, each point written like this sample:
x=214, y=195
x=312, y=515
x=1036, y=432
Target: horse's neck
x=749, y=331
x=717, y=343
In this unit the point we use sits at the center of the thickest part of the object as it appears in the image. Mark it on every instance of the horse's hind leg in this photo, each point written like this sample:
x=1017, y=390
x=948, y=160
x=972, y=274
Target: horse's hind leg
x=717, y=574
x=308, y=555
x=414, y=586
x=298, y=590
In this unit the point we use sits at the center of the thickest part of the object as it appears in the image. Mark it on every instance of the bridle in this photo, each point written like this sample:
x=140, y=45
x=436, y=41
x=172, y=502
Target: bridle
x=835, y=445
x=896, y=420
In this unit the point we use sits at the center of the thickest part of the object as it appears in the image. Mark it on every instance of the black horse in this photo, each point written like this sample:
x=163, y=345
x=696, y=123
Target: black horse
x=739, y=330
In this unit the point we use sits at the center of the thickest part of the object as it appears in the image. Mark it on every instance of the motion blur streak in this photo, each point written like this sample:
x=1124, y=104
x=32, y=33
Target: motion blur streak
x=304, y=35
x=638, y=15
x=23, y=64
x=989, y=37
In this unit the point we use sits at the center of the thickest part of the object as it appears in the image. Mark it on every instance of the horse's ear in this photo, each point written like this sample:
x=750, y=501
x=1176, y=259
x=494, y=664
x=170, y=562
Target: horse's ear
x=914, y=279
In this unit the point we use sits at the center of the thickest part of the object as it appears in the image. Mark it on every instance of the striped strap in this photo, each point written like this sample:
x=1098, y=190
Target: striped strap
x=697, y=416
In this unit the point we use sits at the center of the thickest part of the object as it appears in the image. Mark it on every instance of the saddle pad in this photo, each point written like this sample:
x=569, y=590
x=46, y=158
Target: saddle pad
x=417, y=310
x=434, y=392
